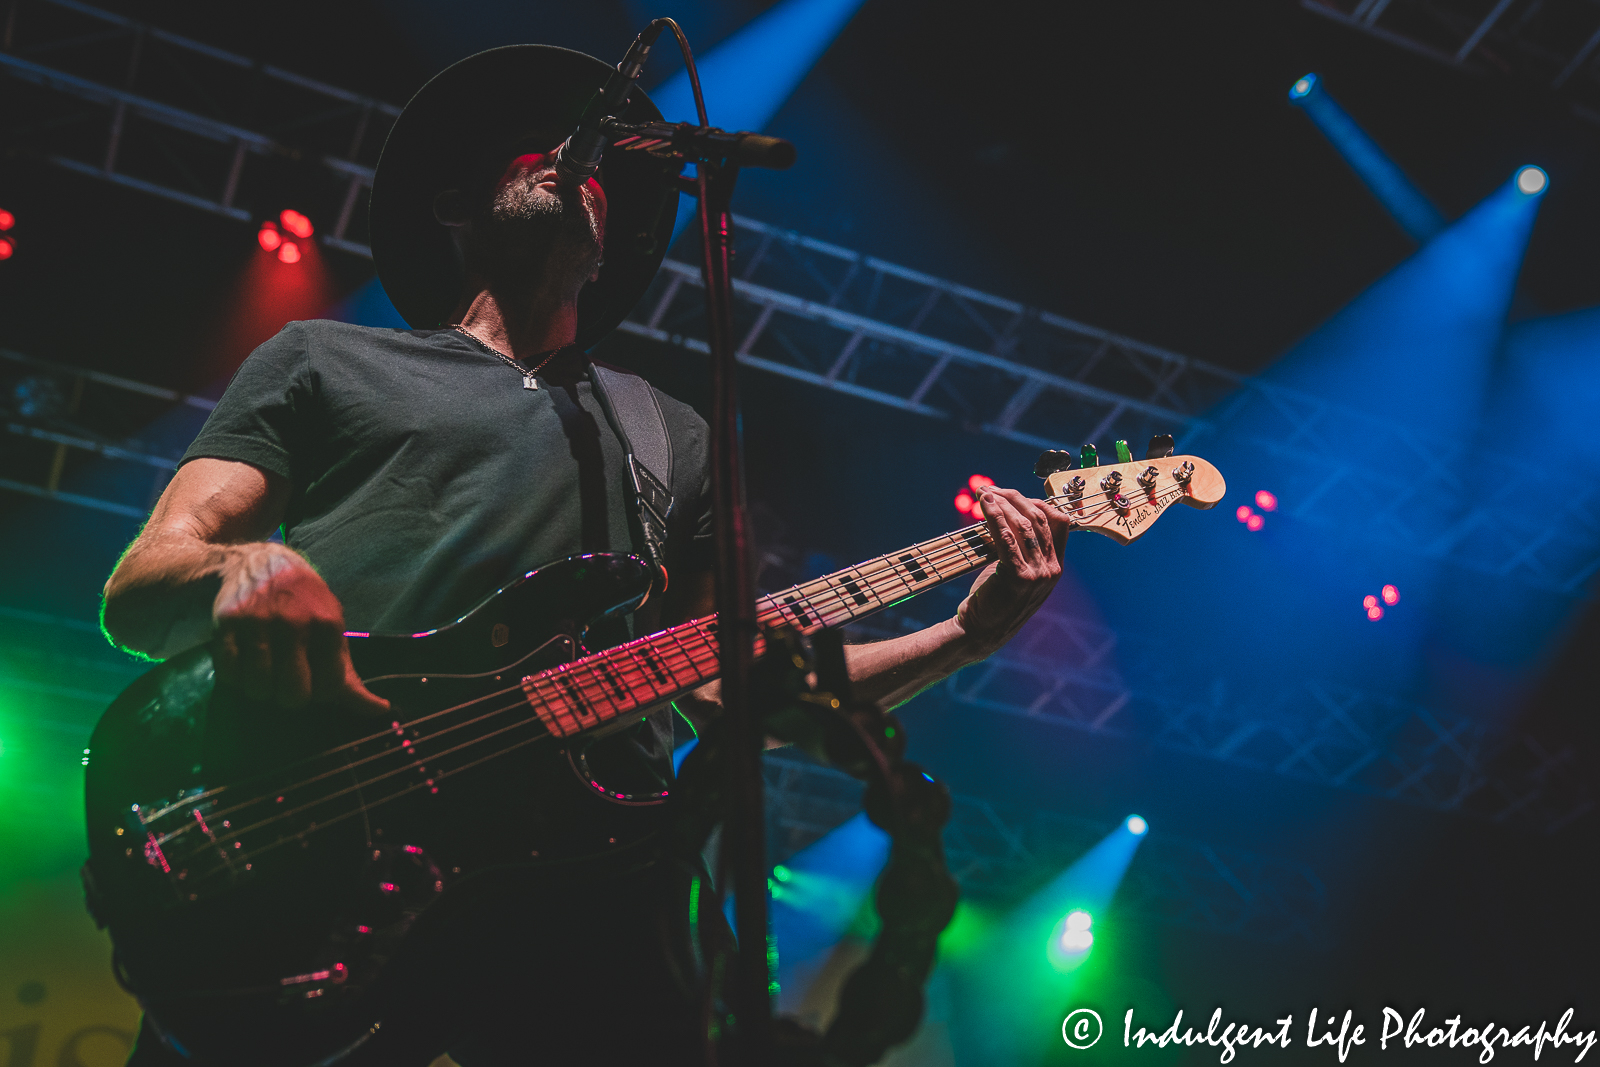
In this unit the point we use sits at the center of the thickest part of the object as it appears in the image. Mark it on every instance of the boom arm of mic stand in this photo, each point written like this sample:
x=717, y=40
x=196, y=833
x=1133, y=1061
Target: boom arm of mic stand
x=687, y=142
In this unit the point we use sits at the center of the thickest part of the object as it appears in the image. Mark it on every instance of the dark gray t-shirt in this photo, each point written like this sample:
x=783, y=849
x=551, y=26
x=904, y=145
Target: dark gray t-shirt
x=425, y=477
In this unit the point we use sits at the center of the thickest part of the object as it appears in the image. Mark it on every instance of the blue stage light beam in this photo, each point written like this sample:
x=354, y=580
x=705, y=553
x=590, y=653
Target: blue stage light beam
x=1417, y=346
x=1405, y=202
x=817, y=895
x=1013, y=988
x=747, y=77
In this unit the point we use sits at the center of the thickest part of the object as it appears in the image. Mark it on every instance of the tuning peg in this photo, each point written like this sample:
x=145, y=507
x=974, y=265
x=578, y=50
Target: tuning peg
x=1052, y=461
x=1123, y=455
x=1160, y=447
x=1091, y=456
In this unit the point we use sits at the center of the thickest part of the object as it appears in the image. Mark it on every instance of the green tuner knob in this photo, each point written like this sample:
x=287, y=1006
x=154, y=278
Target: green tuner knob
x=1123, y=455
x=1091, y=456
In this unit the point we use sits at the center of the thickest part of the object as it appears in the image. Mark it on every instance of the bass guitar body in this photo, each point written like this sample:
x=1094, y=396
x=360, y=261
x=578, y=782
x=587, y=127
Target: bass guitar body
x=259, y=870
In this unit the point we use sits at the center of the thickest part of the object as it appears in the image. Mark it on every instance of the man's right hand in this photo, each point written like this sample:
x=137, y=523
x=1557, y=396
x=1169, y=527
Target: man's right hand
x=280, y=633
x=276, y=629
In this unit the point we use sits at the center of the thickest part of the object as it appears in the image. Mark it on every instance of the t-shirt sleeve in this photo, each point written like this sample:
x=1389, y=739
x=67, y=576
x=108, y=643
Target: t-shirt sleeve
x=263, y=416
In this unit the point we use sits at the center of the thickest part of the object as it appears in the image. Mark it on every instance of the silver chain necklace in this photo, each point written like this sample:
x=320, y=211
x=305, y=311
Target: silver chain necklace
x=528, y=380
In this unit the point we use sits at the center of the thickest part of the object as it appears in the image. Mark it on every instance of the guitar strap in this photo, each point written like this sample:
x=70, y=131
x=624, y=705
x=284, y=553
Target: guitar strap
x=640, y=426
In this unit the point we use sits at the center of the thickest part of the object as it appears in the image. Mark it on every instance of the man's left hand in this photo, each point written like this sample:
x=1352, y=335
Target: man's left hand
x=1028, y=536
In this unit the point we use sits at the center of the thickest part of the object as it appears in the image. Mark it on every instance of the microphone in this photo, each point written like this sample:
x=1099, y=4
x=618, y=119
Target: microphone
x=579, y=155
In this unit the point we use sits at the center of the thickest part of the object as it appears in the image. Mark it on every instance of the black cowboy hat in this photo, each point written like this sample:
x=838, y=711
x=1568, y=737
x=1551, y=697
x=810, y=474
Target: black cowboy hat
x=523, y=98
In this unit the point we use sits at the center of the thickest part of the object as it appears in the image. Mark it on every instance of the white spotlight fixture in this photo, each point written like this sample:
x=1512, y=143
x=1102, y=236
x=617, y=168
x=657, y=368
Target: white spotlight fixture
x=1532, y=181
x=1302, y=88
x=1137, y=826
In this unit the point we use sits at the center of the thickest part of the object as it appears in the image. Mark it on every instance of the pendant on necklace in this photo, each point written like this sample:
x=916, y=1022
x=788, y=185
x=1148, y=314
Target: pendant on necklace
x=528, y=382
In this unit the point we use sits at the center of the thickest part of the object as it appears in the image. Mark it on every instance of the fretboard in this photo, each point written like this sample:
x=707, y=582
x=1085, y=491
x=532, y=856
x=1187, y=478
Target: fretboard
x=650, y=671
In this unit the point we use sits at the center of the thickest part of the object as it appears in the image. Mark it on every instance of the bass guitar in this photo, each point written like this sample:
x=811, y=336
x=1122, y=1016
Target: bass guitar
x=258, y=870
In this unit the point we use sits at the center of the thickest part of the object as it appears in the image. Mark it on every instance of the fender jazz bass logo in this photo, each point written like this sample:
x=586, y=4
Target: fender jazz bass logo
x=1141, y=514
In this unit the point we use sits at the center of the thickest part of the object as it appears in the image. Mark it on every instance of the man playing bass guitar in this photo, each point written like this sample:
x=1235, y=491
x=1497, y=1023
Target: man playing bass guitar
x=413, y=472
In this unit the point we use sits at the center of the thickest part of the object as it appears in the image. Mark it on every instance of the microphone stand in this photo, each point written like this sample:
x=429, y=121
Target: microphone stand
x=744, y=824
x=717, y=155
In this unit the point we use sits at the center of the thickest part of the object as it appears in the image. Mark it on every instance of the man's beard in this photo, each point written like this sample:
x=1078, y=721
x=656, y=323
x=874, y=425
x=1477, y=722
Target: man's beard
x=528, y=234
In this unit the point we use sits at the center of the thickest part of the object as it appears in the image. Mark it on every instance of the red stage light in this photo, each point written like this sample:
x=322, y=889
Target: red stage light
x=1254, y=523
x=269, y=237
x=295, y=223
x=1266, y=501
x=964, y=502
x=6, y=248
x=1243, y=513
x=7, y=220
x=289, y=252
x=1369, y=601
x=978, y=481
x=1391, y=595
x=1375, y=612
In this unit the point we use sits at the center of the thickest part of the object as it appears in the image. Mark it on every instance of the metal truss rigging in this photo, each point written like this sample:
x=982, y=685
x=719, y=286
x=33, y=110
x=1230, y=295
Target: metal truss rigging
x=1550, y=43
x=1000, y=853
x=829, y=316
x=1073, y=672
x=190, y=123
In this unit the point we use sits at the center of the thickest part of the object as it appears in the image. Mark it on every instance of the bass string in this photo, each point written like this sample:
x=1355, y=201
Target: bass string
x=695, y=626
x=235, y=834
x=366, y=806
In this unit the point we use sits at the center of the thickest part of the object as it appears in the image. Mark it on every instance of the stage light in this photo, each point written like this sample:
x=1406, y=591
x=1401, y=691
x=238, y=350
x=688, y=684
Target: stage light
x=1369, y=602
x=1254, y=523
x=7, y=248
x=965, y=503
x=1532, y=181
x=978, y=481
x=1137, y=826
x=1413, y=211
x=7, y=220
x=1391, y=595
x=1243, y=513
x=1375, y=612
x=1266, y=501
x=295, y=223
x=289, y=252
x=269, y=237
x=1075, y=937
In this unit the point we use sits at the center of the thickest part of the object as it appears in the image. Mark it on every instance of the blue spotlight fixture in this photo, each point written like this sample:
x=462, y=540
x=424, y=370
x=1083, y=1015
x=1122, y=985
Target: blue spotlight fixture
x=1404, y=201
x=1137, y=826
x=1532, y=181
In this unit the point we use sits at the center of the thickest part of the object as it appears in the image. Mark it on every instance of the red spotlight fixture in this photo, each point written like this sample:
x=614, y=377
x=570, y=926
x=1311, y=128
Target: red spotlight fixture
x=295, y=223
x=1375, y=612
x=1254, y=523
x=7, y=248
x=269, y=236
x=289, y=252
x=1243, y=513
x=1391, y=595
x=1266, y=501
x=7, y=220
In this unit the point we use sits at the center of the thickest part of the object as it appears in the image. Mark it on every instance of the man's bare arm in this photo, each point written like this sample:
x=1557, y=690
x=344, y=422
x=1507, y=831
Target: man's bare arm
x=199, y=570
x=1004, y=596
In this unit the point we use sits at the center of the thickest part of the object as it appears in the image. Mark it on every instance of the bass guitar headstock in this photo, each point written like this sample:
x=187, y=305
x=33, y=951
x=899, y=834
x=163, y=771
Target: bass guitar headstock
x=1122, y=500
